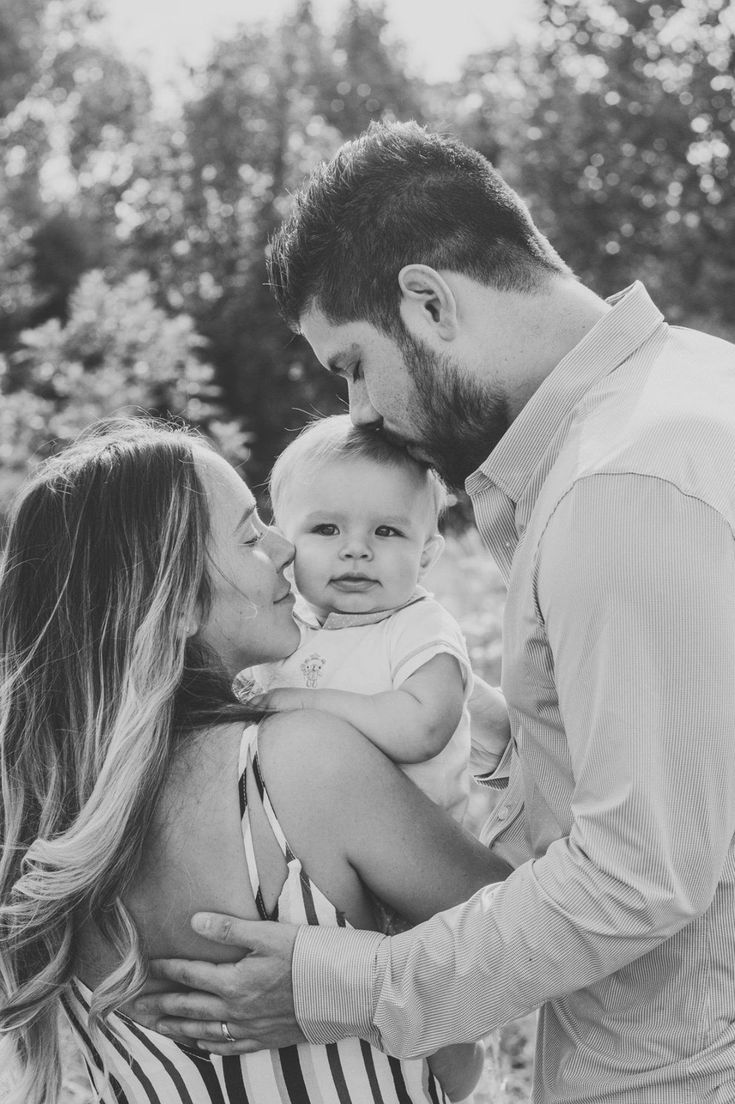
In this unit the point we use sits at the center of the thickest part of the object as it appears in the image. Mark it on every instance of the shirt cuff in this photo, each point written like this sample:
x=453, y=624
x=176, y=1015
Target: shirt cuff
x=494, y=775
x=334, y=979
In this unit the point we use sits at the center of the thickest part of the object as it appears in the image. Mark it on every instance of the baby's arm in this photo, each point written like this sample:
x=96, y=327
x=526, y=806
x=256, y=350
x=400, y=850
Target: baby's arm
x=410, y=724
x=458, y=1068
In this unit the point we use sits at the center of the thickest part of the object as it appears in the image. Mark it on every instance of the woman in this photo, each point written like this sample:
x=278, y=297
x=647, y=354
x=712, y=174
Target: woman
x=137, y=581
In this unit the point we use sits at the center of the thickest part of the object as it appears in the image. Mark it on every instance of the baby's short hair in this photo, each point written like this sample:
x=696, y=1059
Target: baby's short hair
x=336, y=438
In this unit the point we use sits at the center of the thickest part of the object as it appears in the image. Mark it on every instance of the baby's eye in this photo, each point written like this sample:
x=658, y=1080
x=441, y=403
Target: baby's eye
x=326, y=529
x=387, y=531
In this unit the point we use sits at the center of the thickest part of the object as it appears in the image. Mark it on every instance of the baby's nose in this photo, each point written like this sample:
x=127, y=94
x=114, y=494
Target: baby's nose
x=356, y=548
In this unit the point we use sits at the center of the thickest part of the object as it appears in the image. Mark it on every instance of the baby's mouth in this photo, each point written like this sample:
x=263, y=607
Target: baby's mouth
x=353, y=583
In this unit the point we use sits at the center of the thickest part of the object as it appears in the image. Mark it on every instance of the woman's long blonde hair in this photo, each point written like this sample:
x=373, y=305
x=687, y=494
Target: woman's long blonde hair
x=104, y=565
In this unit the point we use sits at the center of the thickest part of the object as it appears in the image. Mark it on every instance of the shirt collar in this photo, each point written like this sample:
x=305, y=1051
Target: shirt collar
x=349, y=620
x=614, y=337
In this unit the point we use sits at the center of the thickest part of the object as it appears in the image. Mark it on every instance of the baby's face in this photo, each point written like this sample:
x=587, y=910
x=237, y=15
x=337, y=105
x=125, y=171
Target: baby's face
x=363, y=533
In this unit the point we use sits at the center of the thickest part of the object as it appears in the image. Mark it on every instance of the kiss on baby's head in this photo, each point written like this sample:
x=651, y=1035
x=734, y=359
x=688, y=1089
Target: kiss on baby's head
x=361, y=513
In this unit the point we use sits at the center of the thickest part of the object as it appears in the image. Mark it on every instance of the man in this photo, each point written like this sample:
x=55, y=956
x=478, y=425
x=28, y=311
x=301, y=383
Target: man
x=598, y=448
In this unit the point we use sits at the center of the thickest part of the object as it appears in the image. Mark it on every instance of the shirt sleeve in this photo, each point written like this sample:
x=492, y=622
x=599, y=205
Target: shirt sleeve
x=636, y=591
x=487, y=767
x=421, y=631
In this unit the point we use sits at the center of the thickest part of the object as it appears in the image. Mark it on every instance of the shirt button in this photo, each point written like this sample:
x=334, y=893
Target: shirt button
x=503, y=813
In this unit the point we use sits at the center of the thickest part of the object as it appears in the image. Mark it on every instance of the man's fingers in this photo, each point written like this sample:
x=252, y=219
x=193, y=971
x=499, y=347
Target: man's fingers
x=188, y=972
x=207, y=1034
x=230, y=930
x=242, y=1046
x=194, y=1006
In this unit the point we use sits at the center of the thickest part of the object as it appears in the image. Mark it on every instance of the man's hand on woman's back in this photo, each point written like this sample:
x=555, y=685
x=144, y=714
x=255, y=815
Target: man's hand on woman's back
x=252, y=997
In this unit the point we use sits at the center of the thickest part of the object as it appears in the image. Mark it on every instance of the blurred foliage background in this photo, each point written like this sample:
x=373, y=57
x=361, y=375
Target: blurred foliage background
x=132, y=240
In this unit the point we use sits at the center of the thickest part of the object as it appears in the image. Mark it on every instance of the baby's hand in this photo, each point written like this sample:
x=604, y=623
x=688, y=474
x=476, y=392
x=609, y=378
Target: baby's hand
x=282, y=700
x=245, y=686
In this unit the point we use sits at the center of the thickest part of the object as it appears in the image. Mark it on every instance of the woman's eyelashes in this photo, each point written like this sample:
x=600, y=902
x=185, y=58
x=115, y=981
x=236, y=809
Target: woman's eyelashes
x=255, y=535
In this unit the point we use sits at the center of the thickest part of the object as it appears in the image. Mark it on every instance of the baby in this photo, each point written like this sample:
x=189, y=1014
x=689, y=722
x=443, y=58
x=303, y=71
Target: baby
x=376, y=648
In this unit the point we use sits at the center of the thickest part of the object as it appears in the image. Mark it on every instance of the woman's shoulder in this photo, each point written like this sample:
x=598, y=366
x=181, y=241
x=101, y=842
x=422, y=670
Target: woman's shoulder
x=204, y=758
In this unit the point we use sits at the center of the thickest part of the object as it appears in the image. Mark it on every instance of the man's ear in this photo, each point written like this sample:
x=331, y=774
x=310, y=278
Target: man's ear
x=428, y=305
x=432, y=550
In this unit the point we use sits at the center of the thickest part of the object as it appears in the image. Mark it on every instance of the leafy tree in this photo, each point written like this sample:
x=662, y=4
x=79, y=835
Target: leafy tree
x=118, y=354
x=618, y=127
x=371, y=81
x=642, y=132
x=191, y=199
x=205, y=197
x=23, y=149
x=71, y=109
x=203, y=204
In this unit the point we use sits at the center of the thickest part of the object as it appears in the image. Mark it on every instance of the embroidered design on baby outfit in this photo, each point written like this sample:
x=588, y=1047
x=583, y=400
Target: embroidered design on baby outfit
x=312, y=668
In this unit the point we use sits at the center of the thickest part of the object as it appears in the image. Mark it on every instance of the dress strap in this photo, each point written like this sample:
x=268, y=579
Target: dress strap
x=250, y=758
x=268, y=808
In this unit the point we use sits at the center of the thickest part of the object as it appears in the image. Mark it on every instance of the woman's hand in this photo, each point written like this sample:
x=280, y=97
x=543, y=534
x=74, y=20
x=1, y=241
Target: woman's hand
x=252, y=998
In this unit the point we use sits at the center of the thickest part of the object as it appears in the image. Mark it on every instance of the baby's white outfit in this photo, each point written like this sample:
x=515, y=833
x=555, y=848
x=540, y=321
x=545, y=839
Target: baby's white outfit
x=375, y=652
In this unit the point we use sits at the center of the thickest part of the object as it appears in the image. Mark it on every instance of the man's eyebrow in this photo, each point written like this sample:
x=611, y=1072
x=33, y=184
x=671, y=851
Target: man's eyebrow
x=245, y=517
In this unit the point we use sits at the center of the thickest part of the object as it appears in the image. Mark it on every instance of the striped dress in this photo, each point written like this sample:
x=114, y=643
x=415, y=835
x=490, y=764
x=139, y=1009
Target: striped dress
x=147, y=1068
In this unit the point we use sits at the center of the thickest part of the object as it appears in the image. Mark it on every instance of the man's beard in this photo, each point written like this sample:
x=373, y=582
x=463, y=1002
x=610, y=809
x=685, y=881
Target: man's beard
x=458, y=422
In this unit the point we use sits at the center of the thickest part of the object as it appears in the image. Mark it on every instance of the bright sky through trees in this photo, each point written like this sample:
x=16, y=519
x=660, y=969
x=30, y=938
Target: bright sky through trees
x=437, y=35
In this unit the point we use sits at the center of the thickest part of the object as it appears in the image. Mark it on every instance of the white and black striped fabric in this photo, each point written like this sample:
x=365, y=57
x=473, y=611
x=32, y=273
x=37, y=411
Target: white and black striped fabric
x=148, y=1068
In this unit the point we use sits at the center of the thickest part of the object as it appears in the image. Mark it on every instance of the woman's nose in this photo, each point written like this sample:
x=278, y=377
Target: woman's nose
x=280, y=549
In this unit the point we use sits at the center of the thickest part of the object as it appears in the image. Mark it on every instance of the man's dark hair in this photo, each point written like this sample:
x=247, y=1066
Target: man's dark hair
x=398, y=195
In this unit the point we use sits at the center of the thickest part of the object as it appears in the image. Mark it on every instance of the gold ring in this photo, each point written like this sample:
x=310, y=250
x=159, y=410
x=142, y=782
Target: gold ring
x=227, y=1034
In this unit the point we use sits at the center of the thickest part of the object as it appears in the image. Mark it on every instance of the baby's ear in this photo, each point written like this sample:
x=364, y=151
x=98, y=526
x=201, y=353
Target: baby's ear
x=432, y=550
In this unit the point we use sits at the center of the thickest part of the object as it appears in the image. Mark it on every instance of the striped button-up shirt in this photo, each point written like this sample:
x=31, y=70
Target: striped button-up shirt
x=610, y=506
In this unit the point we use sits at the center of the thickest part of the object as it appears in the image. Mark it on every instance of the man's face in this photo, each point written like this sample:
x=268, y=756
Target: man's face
x=421, y=399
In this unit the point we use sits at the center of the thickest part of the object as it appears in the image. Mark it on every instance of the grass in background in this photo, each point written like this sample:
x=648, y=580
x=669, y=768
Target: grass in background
x=467, y=582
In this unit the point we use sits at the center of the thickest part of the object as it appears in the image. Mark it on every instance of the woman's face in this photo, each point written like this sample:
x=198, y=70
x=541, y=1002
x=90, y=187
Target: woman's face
x=250, y=619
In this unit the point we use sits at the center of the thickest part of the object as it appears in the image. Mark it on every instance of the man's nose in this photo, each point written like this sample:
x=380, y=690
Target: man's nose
x=362, y=412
